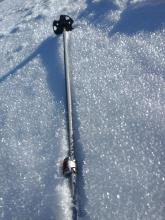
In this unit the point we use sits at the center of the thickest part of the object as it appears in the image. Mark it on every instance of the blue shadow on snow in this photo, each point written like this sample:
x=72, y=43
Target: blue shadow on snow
x=149, y=17
x=145, y=18
x=96, y=11
x=47, y=51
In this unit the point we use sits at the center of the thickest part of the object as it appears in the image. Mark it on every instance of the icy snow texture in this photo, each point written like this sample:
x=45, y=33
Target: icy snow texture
x=118, y=66
x=120, y=96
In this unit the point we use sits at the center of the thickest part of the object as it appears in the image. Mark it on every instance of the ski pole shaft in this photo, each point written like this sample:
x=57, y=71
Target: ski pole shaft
x=68, y=95
x=63, y=26
x=70, y=122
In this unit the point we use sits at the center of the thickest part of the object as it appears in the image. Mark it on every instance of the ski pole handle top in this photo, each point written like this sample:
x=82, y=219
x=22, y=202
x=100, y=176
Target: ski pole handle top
x=65, y=23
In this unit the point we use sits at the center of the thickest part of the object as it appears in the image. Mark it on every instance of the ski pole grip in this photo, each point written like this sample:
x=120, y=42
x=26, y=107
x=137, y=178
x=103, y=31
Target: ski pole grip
x=64, y=23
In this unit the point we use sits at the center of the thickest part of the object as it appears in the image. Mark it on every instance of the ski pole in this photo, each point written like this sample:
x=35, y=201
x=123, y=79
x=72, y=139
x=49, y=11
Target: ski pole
x=69, y=166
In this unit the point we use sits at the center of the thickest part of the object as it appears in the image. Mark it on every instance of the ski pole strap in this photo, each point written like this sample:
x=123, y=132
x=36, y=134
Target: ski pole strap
x=65, y=23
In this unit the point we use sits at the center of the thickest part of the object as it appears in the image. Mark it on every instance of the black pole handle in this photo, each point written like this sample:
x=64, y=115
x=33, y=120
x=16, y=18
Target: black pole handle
x=65, y=23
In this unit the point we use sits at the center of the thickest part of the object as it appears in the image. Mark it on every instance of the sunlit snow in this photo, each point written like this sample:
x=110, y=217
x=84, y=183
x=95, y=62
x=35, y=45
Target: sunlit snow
x=117, y=60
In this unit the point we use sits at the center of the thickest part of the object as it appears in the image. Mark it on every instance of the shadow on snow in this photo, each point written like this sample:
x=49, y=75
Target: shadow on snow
x=145, y=18
x=48, y=54
x=96, y=11
x=149, y=17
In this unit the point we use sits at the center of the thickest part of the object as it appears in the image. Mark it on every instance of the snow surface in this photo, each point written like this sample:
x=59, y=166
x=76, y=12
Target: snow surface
x=117, y=54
